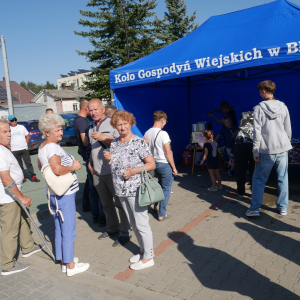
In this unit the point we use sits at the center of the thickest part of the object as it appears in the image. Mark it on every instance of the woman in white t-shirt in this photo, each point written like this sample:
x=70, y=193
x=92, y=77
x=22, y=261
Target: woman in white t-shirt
x=61, y=163
x=163, y=156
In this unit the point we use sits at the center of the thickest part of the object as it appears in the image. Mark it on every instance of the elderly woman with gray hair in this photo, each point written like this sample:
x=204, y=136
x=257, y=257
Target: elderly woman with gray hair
x=61, y=163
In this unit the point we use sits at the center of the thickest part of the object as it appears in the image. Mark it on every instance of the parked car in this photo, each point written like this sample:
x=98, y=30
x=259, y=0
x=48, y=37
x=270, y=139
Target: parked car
x=36, y=137
x=69, y=134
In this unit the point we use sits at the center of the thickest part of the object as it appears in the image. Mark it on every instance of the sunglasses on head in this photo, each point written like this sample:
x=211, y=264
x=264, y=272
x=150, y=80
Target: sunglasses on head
x=14, y=120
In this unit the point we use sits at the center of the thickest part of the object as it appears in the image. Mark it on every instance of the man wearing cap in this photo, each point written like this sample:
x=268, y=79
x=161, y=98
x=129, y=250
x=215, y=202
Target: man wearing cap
x=20, y=138
x=15, y=224
x=226, y=109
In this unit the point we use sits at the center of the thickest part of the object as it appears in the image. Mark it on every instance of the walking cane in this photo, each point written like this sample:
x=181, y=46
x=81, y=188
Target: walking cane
x=8, y=189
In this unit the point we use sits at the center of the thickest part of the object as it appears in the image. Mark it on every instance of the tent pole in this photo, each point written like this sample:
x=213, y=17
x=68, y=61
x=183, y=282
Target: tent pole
x=189, y=99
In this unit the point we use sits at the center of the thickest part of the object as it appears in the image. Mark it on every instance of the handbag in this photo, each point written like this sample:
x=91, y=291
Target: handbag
x=58, y=184
x=152, y=172
x=150, y=190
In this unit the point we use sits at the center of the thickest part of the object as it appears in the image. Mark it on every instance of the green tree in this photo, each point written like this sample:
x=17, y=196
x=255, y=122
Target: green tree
x=49, y=86
x=106, y=33
x=176, y=23
x=36, y=88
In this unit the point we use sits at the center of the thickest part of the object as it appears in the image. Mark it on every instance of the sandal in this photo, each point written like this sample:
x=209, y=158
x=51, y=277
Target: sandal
x=152, y=207
x=164, y=218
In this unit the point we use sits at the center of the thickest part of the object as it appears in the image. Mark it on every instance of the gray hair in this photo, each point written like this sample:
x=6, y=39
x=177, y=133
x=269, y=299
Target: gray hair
x=49, y=121
x=3, y=122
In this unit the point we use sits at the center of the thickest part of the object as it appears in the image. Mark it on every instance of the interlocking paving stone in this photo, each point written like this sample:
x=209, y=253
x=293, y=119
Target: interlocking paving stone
x=221, y=255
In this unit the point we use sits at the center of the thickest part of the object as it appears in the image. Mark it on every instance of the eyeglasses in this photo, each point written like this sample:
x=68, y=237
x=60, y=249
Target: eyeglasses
x=14, y=120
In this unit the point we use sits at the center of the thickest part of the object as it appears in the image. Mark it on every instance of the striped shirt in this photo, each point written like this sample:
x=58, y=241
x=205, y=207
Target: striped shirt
x=66, y=160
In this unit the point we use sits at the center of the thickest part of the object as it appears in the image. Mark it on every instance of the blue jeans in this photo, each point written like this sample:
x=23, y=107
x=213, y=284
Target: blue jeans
x=95, y=202
x=261, y=175
x=65, y=232
x=165, y=179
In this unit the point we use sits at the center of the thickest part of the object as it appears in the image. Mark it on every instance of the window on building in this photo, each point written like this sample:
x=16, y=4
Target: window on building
x=75, y=106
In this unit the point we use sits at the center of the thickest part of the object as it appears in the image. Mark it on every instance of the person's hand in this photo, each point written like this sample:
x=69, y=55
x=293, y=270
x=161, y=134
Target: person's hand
x=107, y=155
x=175, y=172
x=202, y=162
x=147, y=140
x=91, y=169
x=210, y=112
x=76, y=165
x=211, y=115
x=98, y=136
x=26, y=201
x=127, y=174
x=256, y=159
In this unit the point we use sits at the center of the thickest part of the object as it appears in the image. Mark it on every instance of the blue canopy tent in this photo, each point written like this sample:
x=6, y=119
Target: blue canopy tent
x=224, y=59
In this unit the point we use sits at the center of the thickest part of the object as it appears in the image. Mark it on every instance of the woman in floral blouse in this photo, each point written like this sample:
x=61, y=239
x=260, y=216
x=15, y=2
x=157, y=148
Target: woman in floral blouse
x=127, y=154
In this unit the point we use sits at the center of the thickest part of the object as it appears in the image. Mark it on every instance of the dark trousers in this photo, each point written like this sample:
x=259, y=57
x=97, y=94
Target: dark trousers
x=243, y=159
x=24, y=154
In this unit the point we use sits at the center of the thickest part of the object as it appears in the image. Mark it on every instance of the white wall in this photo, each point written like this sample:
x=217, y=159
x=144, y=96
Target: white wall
x=50, y=103
x=68, y=105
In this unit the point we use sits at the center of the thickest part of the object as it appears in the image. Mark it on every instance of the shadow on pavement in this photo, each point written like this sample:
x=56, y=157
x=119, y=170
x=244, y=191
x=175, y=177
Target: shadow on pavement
x=218, y=270
x=281, y=245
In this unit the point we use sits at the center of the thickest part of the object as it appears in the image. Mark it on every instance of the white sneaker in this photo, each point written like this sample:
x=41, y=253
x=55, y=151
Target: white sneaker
x=64, y=267
x=252, y=213
x=213, y=189
x=79, y=268
x=139, y=265
x=136, y=258
x=220, y=187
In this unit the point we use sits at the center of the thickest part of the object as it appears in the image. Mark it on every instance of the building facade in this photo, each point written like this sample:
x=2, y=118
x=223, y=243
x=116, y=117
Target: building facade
x=61, y=101
x=73, y=80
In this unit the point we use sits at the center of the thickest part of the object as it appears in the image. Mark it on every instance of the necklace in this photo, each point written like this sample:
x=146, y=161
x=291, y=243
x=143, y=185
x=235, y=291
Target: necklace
x=270, y=98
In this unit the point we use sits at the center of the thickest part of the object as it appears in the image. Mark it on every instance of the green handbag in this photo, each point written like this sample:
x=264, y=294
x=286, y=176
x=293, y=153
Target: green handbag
x=150, y=190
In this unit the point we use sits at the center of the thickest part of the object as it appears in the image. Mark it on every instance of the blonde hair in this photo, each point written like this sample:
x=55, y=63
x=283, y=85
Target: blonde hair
x=48, y=121
x=209, y=135
x=158, y=115
x=124, y=115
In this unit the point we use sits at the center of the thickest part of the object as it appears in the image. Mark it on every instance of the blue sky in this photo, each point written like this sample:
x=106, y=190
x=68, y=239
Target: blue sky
x=40, y=42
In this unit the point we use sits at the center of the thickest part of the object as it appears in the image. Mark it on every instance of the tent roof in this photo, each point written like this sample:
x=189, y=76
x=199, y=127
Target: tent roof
x=237, y=40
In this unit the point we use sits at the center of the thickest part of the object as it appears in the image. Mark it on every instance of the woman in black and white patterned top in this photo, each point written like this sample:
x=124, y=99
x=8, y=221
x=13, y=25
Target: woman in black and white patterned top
x=61, y=163
x=243, y=156
x=127, y=154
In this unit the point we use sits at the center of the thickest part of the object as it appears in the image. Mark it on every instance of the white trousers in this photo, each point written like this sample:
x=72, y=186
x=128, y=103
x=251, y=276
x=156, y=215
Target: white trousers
x=139, y=221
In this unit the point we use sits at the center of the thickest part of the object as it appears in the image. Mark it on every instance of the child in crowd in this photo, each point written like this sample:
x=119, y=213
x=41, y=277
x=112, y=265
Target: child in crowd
x=229, y=131
x=211, y=152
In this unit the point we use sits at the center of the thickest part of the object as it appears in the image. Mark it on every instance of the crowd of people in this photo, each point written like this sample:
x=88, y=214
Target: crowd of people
x=260, y=142
x=114, y=159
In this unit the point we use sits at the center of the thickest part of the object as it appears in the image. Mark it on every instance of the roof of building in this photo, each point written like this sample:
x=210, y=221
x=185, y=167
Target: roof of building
x=73, y=73
x=67, y=94
x=16, y=89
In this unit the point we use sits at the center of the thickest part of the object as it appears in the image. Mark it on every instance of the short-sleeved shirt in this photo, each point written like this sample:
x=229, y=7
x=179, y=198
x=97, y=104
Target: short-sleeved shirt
x=125, y=156
x=9, y=163
x=66, y=160
x=227, y=132
x=100, y=164
x=158, y=149
x=18, y=138
x=213, y=154
x=80, y=123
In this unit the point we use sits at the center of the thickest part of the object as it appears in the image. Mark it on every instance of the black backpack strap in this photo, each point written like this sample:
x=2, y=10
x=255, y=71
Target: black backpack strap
x=156, y=138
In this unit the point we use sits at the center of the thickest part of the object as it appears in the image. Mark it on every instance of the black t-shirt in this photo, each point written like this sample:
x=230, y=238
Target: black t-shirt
x=80, y=123
x=232, y=115
x=213, y=154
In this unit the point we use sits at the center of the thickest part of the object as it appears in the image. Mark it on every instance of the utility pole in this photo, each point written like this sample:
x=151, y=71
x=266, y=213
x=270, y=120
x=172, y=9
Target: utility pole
x=7, y=82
